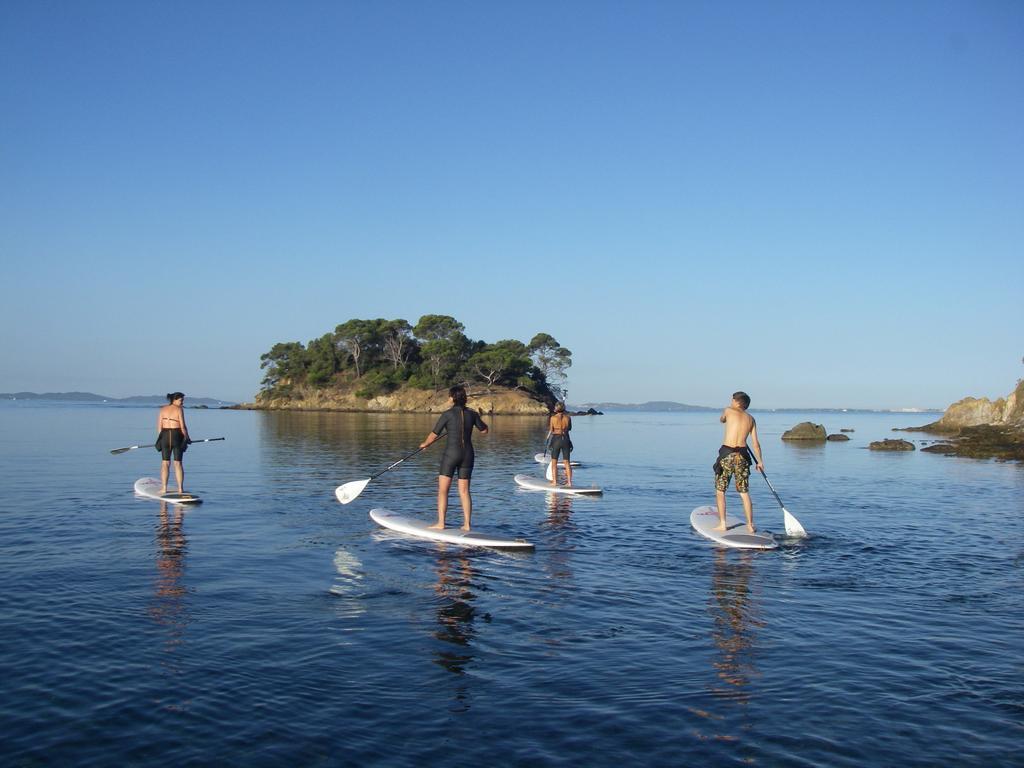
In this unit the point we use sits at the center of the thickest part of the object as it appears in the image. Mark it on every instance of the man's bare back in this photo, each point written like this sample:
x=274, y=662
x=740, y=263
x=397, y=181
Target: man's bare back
x=738, y=426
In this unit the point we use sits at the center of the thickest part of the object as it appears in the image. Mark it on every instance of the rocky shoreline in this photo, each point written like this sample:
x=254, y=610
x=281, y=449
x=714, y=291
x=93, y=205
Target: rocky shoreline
x=979, y=428
x=499, y=401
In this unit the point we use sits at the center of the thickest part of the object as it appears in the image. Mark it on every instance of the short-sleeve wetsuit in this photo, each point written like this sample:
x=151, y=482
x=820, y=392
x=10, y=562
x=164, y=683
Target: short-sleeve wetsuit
x=458, y=454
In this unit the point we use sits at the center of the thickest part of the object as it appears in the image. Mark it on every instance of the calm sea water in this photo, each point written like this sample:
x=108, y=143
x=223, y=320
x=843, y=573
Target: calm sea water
x=273, y=626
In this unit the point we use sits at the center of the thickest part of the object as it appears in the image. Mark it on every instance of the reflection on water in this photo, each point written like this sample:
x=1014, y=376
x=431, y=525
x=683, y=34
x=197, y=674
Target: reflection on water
x=169, y=608
x=735, y=624
x=455, y=610
x=561, y=538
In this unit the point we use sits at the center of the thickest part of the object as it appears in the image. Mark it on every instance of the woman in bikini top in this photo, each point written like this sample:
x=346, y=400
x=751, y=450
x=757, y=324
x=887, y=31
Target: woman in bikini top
x=559, y=425
x=172, y=416
x=172, y=439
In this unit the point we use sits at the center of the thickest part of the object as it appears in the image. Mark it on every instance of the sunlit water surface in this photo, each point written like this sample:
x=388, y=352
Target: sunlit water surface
x=273, y=626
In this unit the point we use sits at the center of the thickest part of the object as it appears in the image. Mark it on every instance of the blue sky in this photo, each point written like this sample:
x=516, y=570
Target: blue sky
x=819, y=203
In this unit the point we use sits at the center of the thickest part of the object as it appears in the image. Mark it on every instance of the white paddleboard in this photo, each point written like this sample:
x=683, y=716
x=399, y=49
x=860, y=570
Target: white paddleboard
x=150, y=488
x=420, y=529
x=545, y=458
x=704, y=519
x=537, y=484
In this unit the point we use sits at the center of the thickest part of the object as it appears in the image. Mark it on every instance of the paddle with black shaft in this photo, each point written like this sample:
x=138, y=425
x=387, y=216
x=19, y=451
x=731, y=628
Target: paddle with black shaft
x=792, y=525
x=349, y=491
x=150, y=445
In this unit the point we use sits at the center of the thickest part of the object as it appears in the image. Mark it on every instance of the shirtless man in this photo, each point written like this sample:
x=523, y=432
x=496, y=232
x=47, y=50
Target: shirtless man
x=734, y=456
x=172, y=439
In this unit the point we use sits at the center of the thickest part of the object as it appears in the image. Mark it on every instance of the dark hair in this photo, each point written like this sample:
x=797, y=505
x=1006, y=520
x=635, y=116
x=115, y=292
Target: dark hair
x=172, y=396
x=742, y=398
x=458, y=395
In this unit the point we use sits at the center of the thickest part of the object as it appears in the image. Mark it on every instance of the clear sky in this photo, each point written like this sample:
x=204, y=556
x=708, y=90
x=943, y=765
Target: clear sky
x=821, y=203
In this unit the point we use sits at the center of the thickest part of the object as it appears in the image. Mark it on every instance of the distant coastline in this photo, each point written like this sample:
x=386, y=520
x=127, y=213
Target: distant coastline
x=92, y=397
x=653, y=406
x=668, y=406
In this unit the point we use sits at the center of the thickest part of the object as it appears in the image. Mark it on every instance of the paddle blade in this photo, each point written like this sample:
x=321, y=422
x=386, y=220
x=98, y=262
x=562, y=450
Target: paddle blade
x=349, y=491
x=125, y=450
x=791, y=524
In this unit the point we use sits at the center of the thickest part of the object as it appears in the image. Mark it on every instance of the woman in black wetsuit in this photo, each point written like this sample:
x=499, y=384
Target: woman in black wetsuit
x=458, y=421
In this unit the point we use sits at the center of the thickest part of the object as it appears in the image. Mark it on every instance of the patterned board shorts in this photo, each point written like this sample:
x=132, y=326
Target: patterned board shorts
x=734, y=464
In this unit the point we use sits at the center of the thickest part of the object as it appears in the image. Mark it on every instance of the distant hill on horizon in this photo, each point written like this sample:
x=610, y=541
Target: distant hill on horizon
x=664, y=406
x=92, y=397
x=653, y=405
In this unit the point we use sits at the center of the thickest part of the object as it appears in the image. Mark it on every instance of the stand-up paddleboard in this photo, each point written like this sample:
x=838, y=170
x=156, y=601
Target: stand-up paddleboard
x=421, y=530
x=537, y=484
x=545, y=458
x=150, y=488
x=704, y=519
x=561, y=470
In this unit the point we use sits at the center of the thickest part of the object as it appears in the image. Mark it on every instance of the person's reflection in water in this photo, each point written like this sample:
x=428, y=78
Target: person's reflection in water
x=735, y=625
x=560, y=541
x=559, y=510
x=169, y=609
x=733, y=610
x=455, y=611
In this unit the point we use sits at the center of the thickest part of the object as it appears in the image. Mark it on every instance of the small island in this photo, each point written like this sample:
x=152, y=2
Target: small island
x=394, y=366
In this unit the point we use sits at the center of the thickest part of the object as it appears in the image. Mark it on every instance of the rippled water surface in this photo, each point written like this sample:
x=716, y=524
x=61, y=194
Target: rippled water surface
x=273, y=626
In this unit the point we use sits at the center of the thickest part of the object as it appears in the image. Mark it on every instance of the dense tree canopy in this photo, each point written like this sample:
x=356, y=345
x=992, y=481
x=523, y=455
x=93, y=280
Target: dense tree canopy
x=377, y=356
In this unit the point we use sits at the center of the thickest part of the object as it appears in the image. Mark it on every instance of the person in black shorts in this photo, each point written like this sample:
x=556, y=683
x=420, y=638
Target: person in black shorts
x=172, y=439
x=458, y=422
x=559, y=424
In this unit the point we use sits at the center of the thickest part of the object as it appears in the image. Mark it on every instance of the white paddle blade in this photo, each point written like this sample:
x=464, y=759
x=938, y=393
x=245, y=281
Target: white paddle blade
x=349, y=491
x=792, y=525
x=547, y=471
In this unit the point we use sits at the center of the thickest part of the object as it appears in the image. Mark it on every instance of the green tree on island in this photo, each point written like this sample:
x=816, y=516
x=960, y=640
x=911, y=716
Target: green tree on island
x=552, y=360
x=444, y=345
x=507, y=360
x=322, y=360
x=285, y=364
x=398, y=342
x=358, y=338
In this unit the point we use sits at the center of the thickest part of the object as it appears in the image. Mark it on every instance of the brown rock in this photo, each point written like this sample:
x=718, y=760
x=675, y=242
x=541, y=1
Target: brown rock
x=805, y=430
x=838, y=438
x=892, y=445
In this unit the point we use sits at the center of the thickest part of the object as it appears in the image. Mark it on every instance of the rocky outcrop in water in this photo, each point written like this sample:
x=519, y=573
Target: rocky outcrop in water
x=979, y=428
x=892, y=445
x=805, y=430
x=974, y=411
x=983, y=442
x=837, y=438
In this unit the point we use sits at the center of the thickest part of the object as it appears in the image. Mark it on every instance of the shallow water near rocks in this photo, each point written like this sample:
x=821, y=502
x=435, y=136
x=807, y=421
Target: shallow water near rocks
x=272, y=625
